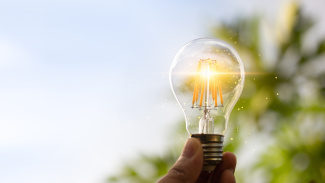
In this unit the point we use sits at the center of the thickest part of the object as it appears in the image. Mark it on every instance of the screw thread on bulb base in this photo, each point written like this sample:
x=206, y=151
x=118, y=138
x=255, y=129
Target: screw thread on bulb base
x=212, y=145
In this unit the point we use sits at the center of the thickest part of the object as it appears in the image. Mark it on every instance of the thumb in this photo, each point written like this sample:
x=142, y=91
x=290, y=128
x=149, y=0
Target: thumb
x=188, y=166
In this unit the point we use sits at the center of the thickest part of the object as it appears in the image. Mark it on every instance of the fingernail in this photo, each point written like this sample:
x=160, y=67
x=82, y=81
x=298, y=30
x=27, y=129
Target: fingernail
x=189, y=149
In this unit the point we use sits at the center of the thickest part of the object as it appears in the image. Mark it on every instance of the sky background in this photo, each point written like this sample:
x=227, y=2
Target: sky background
x=84, y=84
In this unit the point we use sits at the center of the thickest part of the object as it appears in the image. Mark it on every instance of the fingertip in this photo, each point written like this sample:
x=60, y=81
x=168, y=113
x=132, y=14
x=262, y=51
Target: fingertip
x=192, y=148
x=230, y=160
x=197, y=159
x=228, y=163
x=196, y=142
x=229, y=155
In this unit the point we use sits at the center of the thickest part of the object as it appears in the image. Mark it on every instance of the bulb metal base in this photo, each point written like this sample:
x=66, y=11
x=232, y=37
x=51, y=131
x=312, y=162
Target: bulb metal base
x=212, y=145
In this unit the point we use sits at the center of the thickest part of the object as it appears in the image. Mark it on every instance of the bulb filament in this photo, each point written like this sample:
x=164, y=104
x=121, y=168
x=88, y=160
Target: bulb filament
x=207, y=84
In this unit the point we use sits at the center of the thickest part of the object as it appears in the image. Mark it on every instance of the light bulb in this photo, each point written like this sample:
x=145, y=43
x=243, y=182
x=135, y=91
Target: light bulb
x=207, y=78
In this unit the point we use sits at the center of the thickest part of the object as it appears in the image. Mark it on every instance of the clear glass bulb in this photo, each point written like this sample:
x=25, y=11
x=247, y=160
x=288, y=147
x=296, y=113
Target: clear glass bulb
x=207, y=78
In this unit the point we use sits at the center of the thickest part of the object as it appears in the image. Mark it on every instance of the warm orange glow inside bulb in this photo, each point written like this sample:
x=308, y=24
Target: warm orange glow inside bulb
x=206, y=84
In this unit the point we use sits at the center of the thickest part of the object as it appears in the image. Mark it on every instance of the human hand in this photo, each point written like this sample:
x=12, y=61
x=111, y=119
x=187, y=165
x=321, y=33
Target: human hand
x=189, y=165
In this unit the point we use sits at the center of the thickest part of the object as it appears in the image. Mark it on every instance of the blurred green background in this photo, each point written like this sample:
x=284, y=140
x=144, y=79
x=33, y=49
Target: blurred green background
x=277, y=128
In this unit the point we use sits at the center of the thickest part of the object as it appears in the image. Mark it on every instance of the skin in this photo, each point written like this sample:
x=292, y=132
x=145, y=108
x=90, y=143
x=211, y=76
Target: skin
x=187, y=168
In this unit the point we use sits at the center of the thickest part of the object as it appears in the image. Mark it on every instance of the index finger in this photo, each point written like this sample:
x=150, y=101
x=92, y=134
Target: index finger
x=228, y=162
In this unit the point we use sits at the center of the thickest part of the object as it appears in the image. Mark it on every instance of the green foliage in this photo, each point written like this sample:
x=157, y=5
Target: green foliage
x=283, y=104
x=288, y=89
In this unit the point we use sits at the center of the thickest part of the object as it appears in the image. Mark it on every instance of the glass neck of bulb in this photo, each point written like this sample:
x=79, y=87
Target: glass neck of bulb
x=206, y=124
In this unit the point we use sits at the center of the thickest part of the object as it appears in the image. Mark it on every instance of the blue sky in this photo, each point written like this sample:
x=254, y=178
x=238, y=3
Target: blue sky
x=84, y=84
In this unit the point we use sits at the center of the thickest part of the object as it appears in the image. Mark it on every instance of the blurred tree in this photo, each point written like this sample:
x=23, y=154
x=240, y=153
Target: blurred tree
x=282, y=105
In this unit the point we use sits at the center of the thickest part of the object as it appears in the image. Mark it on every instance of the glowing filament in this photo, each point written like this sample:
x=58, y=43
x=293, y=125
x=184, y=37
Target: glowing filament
x=206, y=82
